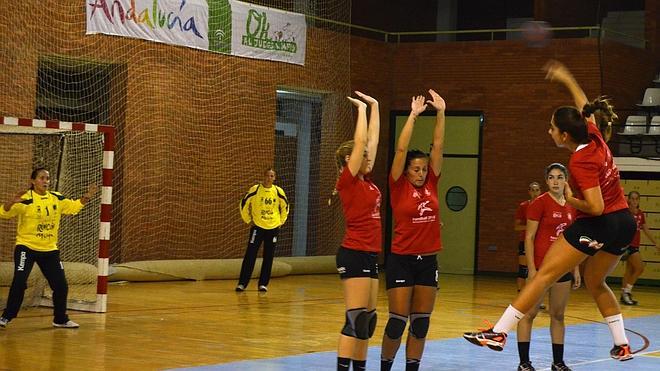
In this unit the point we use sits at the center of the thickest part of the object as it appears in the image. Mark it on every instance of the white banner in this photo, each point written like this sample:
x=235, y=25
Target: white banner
x=236, y=28
x=267, y=33
x=179, y=22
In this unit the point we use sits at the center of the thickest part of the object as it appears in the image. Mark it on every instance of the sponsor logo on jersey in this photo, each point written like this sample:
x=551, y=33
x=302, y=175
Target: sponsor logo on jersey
x=422, y=207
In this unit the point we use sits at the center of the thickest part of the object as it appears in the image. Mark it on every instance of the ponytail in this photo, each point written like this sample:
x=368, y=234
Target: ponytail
x=573, y=121
x=603, y=113
x=345, y=149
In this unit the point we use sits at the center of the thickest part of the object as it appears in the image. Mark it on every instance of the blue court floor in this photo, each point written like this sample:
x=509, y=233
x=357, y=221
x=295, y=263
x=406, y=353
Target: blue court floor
x=587, y=348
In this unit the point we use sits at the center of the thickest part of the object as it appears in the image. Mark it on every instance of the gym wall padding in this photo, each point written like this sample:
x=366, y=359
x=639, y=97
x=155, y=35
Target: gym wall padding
x=215, y=269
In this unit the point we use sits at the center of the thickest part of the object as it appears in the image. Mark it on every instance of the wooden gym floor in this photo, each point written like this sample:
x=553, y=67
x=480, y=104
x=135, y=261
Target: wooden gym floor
x=166, y=325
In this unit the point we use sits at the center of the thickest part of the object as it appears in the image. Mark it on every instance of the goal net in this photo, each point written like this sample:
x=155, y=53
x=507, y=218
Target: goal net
x=74, y=158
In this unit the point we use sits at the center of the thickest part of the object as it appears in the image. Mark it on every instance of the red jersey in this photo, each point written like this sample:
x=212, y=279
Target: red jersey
x=521, y=214
x=553, y=219
x=640, y=220
x=592, y=165
x=416, y=216
x=360, y=200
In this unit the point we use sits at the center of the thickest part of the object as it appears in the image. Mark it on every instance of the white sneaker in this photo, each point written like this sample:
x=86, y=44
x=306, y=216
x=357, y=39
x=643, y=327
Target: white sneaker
x=3, y=322
x=263, y=288
x=68, y=324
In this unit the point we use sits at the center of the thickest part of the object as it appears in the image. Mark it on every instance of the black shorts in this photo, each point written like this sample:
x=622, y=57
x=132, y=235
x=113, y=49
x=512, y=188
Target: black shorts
x=411, y=270
x=355, y=263
x=565, y=278
x=610, y=232
x=630, y=250
x=521, y=248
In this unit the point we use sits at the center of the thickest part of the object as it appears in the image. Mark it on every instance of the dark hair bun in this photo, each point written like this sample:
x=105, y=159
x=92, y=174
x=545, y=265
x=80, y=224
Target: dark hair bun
x=589, y=109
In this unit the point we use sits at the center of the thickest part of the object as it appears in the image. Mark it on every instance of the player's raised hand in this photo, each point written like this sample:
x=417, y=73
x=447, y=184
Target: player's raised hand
x=366, y=98
x=358, y=103
x=18, y=197
x=91, y=190
x=437, y=102
x=417, y=105
x=556, y=71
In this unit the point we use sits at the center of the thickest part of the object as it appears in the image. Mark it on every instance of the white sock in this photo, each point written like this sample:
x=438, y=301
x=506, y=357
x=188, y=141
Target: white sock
x=617, y=329
x=628, y=288
x=509, y=320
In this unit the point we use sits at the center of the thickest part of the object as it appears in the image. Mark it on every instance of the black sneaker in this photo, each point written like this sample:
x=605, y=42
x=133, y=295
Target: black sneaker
x=240, y=288
x=626, y=298
x=561, y=366
x=493, y=340
x=621, y=352
x=526, y=366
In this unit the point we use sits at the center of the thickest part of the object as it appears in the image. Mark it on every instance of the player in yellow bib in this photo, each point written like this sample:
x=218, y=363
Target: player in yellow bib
x=39, y=211
x=265, y=208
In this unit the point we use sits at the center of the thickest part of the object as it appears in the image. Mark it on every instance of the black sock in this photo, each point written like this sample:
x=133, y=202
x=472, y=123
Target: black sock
x=412, y=364
x=523, y=351
x=558, y=353
x=343, y=364
x=386, y=364
x=359, y=365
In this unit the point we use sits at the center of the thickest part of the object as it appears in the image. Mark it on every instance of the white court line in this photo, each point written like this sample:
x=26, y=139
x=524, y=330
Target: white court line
x=605, y=359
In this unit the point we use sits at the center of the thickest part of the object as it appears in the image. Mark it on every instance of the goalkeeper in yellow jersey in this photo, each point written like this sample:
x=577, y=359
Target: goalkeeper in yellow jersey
x=265, y=208
x=39, y=211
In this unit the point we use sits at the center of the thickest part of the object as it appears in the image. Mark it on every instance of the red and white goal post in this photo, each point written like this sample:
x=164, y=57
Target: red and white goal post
x=77, y=155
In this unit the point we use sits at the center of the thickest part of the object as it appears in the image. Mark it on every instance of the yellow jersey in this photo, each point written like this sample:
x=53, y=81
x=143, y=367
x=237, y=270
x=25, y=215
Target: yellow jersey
x=268, y=208
x=39, y=218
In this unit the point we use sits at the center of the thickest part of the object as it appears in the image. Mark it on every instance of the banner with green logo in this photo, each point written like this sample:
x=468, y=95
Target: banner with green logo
x=267, y=33
x=224, y=26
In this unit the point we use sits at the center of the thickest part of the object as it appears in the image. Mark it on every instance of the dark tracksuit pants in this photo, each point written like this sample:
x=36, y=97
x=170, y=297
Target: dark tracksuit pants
x=257, y=236
x=51, y=267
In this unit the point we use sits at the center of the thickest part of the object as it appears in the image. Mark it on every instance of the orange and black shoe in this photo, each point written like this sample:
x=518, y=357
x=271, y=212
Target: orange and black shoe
x=493, y=340
x=621, y=352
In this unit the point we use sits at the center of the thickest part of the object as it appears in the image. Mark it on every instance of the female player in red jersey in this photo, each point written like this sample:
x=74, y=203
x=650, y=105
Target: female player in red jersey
x=357, y=258
x=412, y=267
x=520, y=225
x=547, y=217
x=603, y=226
x=634, y=264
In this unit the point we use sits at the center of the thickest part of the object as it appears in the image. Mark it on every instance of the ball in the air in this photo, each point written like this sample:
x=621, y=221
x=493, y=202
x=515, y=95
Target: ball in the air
x=537, y=34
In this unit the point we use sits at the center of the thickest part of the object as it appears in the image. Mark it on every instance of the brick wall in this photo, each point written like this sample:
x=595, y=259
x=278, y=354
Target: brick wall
x=504, y=80
x=191, y=124
x=194, y=129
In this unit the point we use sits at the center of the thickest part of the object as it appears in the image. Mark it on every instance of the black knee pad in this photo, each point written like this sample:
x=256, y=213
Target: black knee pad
x=419, y=324
x=395, y=326
x=357, y=323
x=373, y=319
x=522, y=271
